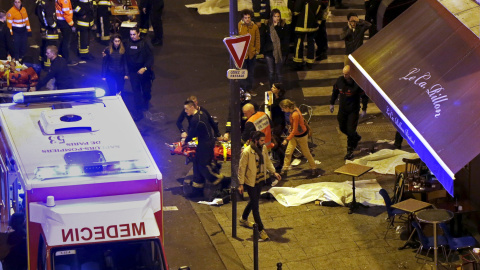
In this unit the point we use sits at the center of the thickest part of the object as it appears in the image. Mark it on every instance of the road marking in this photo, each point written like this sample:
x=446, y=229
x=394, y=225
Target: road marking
x=170, y=208
x=324, y=110
x=318, y=74
x=325, y=91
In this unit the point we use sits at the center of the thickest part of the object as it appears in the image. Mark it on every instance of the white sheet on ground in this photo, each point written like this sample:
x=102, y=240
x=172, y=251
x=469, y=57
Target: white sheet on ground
x=385, y=160
x=219, y=6
x=366, y=192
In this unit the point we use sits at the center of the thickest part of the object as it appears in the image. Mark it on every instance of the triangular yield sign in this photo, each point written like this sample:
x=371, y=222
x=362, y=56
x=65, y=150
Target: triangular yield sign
x=237, y=47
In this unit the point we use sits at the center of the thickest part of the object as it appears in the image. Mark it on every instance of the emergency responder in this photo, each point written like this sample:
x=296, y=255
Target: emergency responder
x=259, y=121
x=349, y=107
x=6, y=41
x=103, y=20
x=308, y=14
x=256, y=121
x=45, y=11
x=145, y=7
x=17, y=21
x=139, y=63
x=261, y=10
x=151, y=12
x=58, y=70
x=200, y=127
x=321, y=37
x=184, y=115
x=66, y=26
x=83, y=14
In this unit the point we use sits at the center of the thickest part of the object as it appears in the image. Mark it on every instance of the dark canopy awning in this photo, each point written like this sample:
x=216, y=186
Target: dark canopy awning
x=423, y=72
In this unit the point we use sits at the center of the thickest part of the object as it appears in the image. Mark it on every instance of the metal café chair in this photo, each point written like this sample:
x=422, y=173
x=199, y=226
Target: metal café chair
x=392, y=212
x=428, y=242
x=457, y=243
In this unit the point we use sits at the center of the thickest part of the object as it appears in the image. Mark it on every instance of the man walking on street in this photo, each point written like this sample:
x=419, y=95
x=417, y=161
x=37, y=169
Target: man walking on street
x=139, y=63
x=353, y=34
x=252, y=175
x=349, y=107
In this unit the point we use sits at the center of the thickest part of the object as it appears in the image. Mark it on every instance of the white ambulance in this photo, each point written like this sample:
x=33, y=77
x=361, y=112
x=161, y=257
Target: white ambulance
x=78, y=168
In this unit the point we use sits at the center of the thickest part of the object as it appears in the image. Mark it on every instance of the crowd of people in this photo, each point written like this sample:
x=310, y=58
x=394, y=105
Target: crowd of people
x=125, y=58
x=281, y=128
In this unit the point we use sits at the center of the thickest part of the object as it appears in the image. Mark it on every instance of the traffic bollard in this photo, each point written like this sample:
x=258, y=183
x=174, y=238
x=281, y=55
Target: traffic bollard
x=255, y=246
x=233, y=193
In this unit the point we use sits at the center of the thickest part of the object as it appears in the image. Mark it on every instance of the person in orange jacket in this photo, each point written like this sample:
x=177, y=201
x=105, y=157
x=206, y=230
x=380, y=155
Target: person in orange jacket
x=17, y=21
x=66, y=25
x=247, y=26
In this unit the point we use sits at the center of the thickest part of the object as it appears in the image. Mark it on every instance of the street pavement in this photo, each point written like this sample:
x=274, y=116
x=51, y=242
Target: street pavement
x=194, y=61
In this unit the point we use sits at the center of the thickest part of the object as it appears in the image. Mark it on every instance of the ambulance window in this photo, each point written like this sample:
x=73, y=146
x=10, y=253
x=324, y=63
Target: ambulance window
x=130, y=255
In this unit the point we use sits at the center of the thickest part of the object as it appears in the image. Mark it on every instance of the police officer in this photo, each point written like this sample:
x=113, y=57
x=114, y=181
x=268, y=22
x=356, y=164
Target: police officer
x=200, y=127
x=139, y=62
x=103, y=20
x=45, y=11
x=349, y=107
x=83, y=13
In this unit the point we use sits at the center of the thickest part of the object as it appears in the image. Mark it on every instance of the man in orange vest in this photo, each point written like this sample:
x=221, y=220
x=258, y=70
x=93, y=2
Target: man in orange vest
x=65, y=23
x=17, y=21
x=256, y=121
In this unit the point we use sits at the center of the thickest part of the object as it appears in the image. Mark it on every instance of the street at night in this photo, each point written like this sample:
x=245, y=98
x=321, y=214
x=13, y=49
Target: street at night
x=194, y=60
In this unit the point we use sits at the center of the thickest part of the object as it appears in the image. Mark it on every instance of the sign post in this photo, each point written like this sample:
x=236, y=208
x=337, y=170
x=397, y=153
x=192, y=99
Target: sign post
x=235, y=131
x=237, y=47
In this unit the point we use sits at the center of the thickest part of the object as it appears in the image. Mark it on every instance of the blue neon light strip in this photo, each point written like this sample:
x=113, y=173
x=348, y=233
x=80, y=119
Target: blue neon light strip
x=423, y=149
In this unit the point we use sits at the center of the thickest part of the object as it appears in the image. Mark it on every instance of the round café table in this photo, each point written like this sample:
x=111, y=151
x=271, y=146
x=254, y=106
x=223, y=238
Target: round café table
x=434, y=216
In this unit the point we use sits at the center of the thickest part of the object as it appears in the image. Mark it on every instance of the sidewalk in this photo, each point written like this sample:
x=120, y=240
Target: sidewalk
x=311, y=236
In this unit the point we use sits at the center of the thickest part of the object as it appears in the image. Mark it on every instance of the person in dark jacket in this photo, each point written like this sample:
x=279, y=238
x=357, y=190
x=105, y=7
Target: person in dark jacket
x=275, y=47
x=308, y=14
x=45, y=11
x=6, y=41
x=353, y=34
x=114, y=66
x=349, y=106
x=261, y=10
x=184, y=115
x=139, y=63
x=200, y=127
x=151, y=12
x=58, y=70
x=17, y=240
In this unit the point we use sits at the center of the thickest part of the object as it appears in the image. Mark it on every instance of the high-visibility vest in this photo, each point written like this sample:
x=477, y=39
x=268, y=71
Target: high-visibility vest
x=18, y=18
x=64, y=11
x=262, y=123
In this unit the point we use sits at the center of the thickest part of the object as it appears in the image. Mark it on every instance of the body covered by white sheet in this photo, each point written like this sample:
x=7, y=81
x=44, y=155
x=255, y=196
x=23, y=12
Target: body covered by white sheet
x=385, y=160
x=366, y=192
x=219, y=6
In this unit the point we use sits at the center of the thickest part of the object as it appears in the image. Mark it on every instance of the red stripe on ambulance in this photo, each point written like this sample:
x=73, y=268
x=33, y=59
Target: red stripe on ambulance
x=102, y=232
